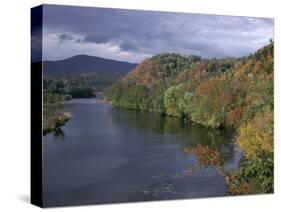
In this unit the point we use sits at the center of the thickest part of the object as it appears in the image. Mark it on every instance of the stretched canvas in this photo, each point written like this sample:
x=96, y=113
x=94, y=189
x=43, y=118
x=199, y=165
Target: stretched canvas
x=131, y=105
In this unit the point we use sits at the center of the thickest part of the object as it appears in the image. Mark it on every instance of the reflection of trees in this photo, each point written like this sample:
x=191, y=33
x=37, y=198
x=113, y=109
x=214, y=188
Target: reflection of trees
x=212, y=147
x=207, y=156
x=58, y=133
x=191, y=134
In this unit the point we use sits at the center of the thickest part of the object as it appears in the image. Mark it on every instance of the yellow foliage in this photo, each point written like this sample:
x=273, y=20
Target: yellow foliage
x=257, y=135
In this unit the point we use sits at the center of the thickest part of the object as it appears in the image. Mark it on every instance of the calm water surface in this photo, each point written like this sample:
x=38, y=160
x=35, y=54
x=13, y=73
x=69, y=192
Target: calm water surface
x=108, y=155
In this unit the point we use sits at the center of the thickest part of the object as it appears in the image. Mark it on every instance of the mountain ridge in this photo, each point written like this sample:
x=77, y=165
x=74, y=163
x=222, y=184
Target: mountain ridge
x=81, y=64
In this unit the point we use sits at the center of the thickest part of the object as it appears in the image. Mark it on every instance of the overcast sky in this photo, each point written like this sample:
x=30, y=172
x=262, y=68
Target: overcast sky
x=132, y=35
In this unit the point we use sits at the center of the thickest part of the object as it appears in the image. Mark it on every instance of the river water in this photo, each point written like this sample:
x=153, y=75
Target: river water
x=109, y=155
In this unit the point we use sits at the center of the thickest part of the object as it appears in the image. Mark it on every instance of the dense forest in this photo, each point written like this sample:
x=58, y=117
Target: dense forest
x=218, y=93
x=79, y=86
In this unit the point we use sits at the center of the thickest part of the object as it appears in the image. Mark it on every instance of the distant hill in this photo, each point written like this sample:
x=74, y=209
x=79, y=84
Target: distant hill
x=82, y=64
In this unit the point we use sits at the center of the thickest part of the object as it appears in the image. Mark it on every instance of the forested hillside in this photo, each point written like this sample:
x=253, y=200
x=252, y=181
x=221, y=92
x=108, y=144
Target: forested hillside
x=217, y=93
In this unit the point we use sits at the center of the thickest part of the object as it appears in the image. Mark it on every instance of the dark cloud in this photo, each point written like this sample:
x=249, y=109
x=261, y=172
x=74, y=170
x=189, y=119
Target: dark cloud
x=64, y=37
x=150, y=32
x=129, y=46
x=98, y=37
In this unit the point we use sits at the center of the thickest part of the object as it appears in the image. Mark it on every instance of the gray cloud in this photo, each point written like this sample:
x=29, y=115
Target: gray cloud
x=143, y=33
x=64, y=37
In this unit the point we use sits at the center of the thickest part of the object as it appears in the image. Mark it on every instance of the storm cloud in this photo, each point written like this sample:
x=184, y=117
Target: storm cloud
x=132, y=35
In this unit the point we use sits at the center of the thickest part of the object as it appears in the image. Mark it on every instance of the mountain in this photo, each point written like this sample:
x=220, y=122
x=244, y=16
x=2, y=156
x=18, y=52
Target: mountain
x=82, y=64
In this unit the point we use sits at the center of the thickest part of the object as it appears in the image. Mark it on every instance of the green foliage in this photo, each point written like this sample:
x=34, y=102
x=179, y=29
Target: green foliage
x=172, y=97
x=174, y=63
x=256, y=174
x=158, y=104
x=187, y=104
x=79, y=86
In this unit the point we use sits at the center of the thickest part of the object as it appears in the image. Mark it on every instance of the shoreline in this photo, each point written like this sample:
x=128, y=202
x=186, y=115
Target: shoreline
x=58, y=122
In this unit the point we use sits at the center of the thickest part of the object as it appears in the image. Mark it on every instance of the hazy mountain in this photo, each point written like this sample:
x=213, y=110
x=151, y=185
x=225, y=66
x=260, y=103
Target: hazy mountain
x=81, y=64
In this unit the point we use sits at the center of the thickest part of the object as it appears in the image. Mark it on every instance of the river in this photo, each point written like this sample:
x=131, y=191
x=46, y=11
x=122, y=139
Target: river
x=109, y=155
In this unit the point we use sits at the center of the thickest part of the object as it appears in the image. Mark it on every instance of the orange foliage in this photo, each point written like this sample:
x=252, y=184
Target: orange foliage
x=206, y=155
x=205, y=88
x=235, y=115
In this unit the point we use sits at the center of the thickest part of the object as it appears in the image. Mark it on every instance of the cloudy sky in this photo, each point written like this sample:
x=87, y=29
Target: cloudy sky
x=132, y=35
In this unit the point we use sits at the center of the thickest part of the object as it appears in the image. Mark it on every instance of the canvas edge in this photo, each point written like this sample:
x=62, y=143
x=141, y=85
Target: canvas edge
x=36, y=186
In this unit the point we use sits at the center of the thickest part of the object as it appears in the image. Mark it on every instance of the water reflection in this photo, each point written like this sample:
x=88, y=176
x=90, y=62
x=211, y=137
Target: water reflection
x=59, y=133
x=190, y=134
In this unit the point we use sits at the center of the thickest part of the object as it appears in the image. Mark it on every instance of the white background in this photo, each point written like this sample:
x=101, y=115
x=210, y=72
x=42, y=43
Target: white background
x=15, y=103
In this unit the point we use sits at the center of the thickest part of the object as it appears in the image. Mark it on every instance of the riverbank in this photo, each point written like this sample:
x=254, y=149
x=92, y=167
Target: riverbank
x=54, y=116
x=55, y=122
